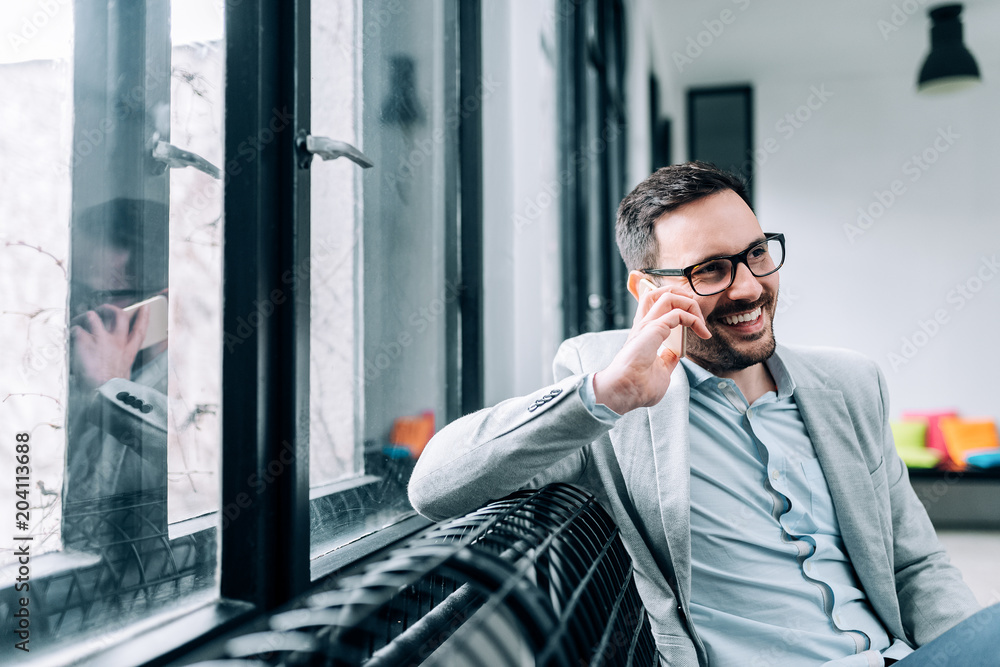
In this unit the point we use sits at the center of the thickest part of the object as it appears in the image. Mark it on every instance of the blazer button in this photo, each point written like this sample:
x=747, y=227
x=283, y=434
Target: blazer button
x=122, y=395
x=532, y=408
x=146, y=408
x=555, y=392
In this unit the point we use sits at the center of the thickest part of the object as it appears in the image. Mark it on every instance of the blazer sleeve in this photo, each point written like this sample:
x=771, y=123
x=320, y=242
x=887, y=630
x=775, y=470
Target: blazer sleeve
x=932, y=595
x=527, y=441
x=118, y=443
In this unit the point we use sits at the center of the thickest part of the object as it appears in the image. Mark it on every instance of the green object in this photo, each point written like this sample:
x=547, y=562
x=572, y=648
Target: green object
x=911, y=439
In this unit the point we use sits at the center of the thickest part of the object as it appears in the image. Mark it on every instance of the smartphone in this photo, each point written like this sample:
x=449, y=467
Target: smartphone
x=157, y=330
x=677, y=340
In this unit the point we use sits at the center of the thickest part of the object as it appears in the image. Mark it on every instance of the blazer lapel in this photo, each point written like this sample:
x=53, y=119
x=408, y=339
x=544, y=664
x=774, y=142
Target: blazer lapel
x=829, y=425
x=668, y=432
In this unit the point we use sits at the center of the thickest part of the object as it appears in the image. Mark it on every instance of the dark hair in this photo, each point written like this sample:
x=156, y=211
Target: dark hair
x=139, y=226
x=666, y=189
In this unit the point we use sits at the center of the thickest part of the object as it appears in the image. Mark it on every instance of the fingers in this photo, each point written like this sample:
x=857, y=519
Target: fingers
x=89, y=321
x=139, y=326
x=657, y=303
x=681, y=318
x=115, y=319
x=79, y=334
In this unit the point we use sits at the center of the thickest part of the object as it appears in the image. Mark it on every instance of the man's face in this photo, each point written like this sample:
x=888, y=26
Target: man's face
x=721, y=224
x=107, y=279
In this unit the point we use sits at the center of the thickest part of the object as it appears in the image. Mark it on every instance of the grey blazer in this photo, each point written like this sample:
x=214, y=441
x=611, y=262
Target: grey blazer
x=639, y=470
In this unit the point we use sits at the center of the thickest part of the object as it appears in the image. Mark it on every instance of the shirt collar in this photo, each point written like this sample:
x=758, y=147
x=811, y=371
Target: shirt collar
x=698, y=375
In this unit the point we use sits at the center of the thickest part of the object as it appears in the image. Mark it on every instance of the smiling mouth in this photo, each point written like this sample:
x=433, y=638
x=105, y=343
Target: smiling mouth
x=748, y=318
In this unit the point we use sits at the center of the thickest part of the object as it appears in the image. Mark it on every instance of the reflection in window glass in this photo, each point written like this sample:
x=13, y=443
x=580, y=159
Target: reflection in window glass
x=110, y=328
x=383, y=79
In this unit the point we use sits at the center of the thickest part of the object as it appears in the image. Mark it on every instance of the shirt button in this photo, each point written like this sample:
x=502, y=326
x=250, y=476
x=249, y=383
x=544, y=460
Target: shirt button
x=749, y=412
x=775, y=475
x=808, y=566
x=836, y=619
x=722, y=385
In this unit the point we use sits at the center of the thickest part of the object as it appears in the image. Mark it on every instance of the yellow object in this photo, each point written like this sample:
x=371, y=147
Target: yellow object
x=911, y=438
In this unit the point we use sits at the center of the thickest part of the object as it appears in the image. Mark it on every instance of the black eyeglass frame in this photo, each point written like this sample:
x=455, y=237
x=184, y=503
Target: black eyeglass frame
x=735, y=260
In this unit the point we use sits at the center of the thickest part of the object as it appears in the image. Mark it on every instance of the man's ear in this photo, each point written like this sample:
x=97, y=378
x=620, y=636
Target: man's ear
x=633, y=283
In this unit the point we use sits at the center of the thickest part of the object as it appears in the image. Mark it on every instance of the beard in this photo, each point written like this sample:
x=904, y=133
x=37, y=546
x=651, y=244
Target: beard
x=717, y=354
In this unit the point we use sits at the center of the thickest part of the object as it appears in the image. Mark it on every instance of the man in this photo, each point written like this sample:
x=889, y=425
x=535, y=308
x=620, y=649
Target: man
x=756, y=486
x=117, y=424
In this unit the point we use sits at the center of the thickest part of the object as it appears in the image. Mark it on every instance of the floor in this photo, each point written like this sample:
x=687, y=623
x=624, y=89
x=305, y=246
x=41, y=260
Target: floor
x=977, y=555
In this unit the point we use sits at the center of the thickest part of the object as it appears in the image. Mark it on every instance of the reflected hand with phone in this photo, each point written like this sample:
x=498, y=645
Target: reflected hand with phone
x=639, y=375
x=105, y=342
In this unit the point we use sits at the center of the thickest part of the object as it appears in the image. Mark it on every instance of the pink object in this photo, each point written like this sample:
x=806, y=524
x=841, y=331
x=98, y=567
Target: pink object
x=935, y=438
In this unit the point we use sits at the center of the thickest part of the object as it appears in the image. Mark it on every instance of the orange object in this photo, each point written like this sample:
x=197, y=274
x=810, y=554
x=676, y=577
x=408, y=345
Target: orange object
x=965, y=436
x=413, y=432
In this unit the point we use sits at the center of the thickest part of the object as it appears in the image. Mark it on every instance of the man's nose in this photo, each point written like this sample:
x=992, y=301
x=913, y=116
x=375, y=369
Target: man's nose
x=745, y=285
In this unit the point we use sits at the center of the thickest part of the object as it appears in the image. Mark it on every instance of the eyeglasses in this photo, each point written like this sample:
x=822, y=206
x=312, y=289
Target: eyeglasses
x=716, y=274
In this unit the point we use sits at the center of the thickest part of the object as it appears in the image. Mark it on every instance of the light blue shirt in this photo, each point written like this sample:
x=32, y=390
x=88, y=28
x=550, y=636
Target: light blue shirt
x=771, y=581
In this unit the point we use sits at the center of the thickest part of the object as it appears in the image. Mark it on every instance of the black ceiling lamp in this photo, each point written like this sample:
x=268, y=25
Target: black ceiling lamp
x=949, y=66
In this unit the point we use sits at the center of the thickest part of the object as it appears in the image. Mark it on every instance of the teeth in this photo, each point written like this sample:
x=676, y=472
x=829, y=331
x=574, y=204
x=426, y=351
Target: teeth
x=745, y=317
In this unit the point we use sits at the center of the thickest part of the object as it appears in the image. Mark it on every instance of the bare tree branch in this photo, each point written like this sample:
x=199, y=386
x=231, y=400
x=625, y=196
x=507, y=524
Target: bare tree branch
x=61, y=263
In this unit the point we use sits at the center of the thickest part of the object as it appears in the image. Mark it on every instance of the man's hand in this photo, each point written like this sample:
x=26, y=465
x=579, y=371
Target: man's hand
x=105, y=343
x=639, y=374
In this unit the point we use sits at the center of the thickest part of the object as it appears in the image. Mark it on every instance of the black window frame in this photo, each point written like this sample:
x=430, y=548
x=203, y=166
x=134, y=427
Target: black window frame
x=265, y=549
x=744, y=93
x=592, y=112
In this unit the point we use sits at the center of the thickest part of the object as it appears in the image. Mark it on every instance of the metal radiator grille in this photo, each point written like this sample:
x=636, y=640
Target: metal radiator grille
x=538, y=578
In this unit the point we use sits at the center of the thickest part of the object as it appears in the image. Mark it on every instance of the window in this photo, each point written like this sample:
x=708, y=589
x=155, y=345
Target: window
x=386, y=286
x=592, y=118
x=111, y=281
x=298, y=354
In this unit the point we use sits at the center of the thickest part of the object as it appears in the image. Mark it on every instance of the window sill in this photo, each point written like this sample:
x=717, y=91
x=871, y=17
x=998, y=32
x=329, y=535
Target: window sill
x=186, y=628
x=355, y=551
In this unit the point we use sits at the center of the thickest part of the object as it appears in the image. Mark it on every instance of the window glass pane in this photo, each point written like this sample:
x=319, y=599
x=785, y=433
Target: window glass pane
x=110, y=336
x=384, y=77
x=196, y=121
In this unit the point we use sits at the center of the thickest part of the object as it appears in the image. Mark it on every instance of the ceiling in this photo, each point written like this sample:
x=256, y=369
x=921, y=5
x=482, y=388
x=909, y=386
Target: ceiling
x=809, y=38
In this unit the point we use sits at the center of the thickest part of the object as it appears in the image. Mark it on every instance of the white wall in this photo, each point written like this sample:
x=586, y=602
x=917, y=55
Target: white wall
x=521, y=252
x=869, y=291
x=521, y=248
x=877, y=284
